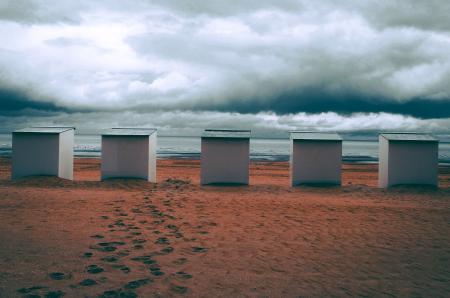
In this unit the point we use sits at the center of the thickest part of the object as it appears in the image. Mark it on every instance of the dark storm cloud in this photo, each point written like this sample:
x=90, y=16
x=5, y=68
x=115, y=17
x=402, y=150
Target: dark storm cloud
x=316, y=101
x=15, y=102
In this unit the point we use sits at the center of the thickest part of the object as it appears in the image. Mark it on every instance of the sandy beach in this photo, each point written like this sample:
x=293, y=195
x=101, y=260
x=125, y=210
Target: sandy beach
x=130, y=238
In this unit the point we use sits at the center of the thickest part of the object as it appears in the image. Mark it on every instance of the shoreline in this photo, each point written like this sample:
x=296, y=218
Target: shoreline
x=253, y=157
x=7, y=153
x=354, y=159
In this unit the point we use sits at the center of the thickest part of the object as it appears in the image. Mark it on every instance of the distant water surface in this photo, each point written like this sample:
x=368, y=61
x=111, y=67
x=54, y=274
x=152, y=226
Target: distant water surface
x=260, y=149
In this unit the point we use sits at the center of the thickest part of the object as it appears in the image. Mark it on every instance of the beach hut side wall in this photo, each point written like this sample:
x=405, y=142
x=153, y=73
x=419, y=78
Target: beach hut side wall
x=413, y=163
x=316, y=162
x=383, y=162
x=35, y=154
x=65, y=165
x=125, y=157
x=152, y=145
x=225, y=160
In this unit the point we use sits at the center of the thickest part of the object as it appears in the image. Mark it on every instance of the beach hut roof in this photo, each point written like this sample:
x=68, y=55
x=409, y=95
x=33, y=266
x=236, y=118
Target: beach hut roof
x=409, y=136
x=315, y=136
x=129, y=131
x=46, y=129
x=226, y=133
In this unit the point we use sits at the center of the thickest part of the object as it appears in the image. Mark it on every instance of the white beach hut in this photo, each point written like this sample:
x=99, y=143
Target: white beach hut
x=225, y=156
x=43, y=151
x=315, y=158
x=407, y=158
x=129, y=153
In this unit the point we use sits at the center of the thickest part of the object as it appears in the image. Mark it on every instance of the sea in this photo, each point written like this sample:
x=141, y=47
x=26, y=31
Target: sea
x=261, y=149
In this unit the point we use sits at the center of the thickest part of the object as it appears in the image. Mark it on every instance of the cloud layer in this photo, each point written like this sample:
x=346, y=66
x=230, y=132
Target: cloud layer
x=369, y=59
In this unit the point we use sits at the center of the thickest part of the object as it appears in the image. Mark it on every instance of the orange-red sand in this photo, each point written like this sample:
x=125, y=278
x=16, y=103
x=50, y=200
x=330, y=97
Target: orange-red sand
x=122, y=238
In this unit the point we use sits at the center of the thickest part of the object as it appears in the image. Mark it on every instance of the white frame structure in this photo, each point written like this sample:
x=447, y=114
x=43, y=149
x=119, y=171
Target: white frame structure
x=129, y=153
x=46, y=151
x=225, y=156
x=316, y=158
x=407, y=158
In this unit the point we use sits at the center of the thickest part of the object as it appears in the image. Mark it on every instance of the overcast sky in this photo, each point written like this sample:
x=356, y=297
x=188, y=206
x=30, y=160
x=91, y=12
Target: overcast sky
x=182, y=66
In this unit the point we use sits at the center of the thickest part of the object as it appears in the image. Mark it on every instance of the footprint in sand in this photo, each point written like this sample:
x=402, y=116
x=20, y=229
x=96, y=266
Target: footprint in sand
x=123, y=253
x=139, y=241
x=198, y=249
x=166, y=250
x=180, y=261
x=178, y=289
x=119, y=223
x=108, y=246
x=137, y=283
x=162, y=240
x=156, y=271
x=87, y=255
x=118, y=293
x=110, y=259
x=179, y=235
x=87, y=282
x=183, y=275
x=97, y=236
x=123, y=268
x=149, y=262
x=54, y=294
x=94, y=269
x=172, y=227
x=30, y=289
x=156, y=213
x=59, y=276
x=147, y=259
